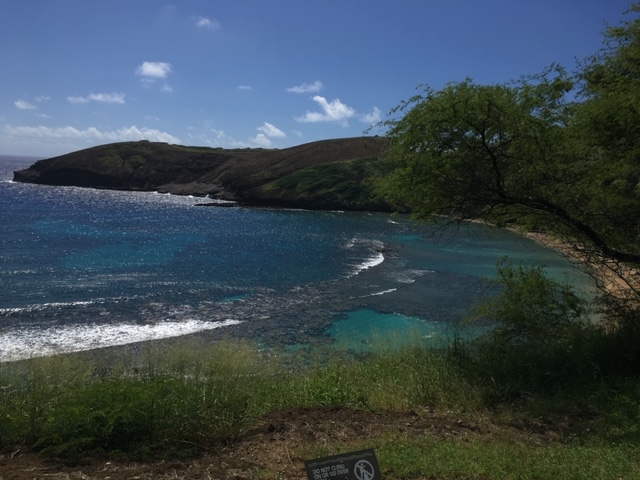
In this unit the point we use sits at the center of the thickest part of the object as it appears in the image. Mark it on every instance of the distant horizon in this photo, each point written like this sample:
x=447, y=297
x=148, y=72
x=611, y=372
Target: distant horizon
x=35, y=157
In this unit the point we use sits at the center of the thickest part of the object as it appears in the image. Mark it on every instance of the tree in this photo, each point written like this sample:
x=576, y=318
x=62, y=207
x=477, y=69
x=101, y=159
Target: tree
x=606, y=129
x=473, y=151
x=552, y=151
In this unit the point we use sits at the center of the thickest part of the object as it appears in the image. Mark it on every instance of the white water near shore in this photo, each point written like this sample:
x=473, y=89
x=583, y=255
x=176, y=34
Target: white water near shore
x=25, y=343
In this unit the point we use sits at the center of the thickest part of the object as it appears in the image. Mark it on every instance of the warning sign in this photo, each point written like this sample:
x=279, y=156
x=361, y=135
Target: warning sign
x=361, y=465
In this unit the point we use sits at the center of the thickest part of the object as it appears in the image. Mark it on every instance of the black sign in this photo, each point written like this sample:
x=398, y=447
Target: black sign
x=361, y=465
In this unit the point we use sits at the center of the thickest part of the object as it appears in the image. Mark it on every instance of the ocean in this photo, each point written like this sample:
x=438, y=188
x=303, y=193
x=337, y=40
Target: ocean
x=82, y=269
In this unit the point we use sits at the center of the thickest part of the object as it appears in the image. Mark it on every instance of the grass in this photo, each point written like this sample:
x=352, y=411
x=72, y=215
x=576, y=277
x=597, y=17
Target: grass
x=176, y=402
x=66, y=407
x=480, y=459
x=190, y=397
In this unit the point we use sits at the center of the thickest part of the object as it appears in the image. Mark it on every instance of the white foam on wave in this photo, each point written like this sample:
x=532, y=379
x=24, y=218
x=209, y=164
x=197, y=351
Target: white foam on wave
x=24, y=342
x=409, y=276
x=19, y=272
x=383, y=292
x=376, y=259
x=41, y=306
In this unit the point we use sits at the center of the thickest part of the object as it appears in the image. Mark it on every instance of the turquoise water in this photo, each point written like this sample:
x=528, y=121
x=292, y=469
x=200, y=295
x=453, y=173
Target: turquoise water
x=84, y=268
x=367, y=330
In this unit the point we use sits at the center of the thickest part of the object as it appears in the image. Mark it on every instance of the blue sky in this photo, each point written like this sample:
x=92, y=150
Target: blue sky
x=260, y=73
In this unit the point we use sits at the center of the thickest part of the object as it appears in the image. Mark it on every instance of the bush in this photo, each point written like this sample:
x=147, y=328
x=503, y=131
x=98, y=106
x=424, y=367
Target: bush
x=544, y=338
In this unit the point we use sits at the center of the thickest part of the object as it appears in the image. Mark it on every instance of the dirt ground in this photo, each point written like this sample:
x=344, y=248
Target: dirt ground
x=271, y=449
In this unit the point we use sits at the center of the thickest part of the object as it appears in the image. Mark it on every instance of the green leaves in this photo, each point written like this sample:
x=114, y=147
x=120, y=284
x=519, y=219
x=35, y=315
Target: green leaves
x=475, y=145
x=535, y=310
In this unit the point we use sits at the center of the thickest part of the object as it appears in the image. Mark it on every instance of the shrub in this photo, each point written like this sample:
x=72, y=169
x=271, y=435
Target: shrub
x=544, y=337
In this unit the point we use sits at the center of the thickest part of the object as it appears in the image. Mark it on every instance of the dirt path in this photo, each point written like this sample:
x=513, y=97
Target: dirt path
x=274, y=445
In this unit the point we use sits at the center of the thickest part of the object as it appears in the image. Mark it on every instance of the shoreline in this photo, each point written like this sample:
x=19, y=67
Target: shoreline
x=610, y=278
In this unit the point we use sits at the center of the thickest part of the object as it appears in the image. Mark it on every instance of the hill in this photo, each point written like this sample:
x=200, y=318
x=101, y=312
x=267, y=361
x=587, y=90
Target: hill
x=328, y=174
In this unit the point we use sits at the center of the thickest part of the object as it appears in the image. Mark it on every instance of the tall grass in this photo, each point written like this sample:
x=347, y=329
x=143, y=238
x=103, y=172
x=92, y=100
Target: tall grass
x=185, y=398
x=175, y=401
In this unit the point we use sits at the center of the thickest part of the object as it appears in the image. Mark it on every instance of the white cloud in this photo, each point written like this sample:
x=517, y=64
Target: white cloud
x=99, y=97
x=43, y=115
x=334, y=111
x=271, y=130
x=131, y=133
x=314, y=87
x=374, y=117
x=219, y=134
x=268, y=131
x=151, y=71
x=261, y=140
x=246, y=88
x=24, y=105
x=107, y=97
x=77, y=99
x=221, y=139
x=210, y=23
x=42, y=98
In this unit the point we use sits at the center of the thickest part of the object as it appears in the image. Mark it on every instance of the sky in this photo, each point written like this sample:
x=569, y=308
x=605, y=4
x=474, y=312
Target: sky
x=260, y=73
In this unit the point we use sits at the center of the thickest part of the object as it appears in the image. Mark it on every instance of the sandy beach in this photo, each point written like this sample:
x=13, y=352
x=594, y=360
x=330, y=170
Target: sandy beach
x=613, y=278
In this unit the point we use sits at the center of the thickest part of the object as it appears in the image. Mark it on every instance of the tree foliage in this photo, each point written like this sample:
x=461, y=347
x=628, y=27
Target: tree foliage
x=553, y=151
x=476, y=151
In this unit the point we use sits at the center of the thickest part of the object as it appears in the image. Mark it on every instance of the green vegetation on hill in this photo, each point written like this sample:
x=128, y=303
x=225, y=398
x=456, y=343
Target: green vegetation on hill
x=350, y=184
x=248, y=176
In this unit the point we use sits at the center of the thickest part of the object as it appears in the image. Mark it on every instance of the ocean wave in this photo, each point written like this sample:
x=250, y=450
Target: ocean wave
x=374, y=260
x=38, y=307
x=409, y=276
x=24, y=343
x=382, y=292
x=5, y=312
x=19, y=272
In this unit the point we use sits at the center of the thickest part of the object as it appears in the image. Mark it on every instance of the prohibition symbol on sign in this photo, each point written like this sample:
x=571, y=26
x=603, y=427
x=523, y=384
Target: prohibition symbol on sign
x=361, y=465
x=363, y=470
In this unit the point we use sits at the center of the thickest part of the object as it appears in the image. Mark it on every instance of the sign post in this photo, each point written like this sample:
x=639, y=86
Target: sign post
x=361, y=465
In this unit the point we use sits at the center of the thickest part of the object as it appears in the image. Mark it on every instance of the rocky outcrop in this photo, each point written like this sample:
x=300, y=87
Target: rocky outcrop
x=266, y=177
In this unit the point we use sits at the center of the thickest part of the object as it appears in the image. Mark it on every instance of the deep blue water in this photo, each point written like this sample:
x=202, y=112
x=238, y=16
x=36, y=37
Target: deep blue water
x=84, y=268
